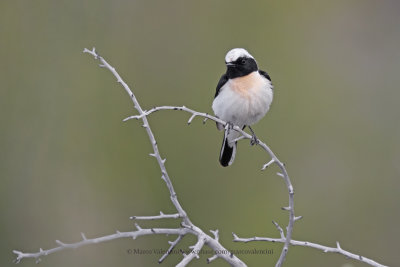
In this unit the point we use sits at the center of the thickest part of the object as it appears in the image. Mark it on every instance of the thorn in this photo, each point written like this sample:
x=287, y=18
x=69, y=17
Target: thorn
x=268, y=164
x=83, y=236
x=338, y=245
x=60, y=243
x=191, y=118
x=163, y=161
x=280, y=174
x=234, y=236
x=298, y=218
x=118, y=232
x=37, y=260
x=40, y=250
x=152, y=155
x=285, y=208
x=137, y=226
x=215, y=233
x=161, y=213
x=204, y=122
x=132, y=217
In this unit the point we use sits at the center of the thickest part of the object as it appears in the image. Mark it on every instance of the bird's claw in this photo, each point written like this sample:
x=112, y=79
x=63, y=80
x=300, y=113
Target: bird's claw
x=254, y=140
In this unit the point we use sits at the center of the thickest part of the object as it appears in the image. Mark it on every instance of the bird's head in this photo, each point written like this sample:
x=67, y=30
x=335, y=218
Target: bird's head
x=239, y=63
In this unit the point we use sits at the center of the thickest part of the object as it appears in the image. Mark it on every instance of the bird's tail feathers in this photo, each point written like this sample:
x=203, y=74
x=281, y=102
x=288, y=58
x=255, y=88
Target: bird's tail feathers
x=228, y=149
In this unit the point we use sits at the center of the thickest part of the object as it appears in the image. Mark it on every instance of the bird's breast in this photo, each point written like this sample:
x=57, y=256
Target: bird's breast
x=244, y=100
x=247, y=85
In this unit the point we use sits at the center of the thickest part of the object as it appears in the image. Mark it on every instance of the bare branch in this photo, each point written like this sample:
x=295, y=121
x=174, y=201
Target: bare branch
x=202, y=237
x=158, y=217
x=187, y=227
x=173, y=244
x=274, y=160
x=193, y=254
x=213, y=243
x=87, y=241
x=325, y=249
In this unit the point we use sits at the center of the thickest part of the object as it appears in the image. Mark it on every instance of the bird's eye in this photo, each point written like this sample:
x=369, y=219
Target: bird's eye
x=243, y=61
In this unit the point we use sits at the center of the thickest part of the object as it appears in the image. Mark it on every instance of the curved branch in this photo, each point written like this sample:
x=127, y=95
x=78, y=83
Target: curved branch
x=203, y=237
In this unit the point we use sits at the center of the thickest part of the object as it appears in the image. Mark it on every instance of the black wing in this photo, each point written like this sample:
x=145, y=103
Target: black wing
x=265, y=74
x=222, y=81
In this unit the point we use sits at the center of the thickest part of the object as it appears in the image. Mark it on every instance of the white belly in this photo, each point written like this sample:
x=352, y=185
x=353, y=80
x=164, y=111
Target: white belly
x=245, y=100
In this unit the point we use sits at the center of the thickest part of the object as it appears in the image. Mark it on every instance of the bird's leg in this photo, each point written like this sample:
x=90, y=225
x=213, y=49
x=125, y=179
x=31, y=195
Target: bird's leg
x=228, y=127
x=254, y=139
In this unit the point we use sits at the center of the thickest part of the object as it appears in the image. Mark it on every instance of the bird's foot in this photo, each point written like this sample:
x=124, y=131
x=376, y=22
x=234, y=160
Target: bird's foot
x=254, y=140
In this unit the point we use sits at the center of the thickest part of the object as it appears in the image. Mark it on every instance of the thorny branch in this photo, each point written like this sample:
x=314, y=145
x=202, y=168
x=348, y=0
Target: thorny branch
x=325, y=249
x=187, y=227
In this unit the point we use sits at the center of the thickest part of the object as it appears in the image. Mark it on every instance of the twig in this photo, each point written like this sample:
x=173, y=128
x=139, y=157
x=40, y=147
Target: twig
x=173, y=244
x=193, y=254
x=158, y=217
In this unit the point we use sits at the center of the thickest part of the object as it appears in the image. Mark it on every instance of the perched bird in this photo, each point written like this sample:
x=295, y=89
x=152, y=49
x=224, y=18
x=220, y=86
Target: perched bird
x=243, y=96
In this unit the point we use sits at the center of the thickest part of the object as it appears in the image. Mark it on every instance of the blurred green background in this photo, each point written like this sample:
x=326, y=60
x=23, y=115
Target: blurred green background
x=68, y=164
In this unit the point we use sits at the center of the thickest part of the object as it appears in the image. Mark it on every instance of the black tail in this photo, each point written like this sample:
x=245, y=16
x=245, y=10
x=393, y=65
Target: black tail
x=228, y=152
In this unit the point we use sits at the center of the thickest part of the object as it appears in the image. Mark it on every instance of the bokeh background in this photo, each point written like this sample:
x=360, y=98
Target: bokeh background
x=68, y=164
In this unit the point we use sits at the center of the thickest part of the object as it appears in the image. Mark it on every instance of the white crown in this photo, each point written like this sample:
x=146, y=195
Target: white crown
x=236, y=53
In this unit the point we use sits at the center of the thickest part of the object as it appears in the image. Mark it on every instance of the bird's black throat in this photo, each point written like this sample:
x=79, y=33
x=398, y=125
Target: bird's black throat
x=241, y=67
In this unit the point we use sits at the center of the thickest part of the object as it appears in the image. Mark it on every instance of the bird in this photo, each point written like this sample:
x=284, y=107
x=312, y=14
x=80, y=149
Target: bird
x=243, y=96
